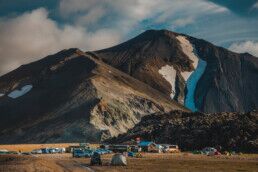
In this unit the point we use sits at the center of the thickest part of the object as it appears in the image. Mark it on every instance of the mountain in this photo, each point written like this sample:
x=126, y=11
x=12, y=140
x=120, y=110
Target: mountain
x=72, y=97
x=194, y=131
x=191, y=71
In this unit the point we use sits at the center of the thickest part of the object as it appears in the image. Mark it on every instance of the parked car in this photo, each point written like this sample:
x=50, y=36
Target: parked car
x=103, y=151
x=45, y=150
x=3, y=151
x=53, y=150
x=62, y=150
x=135, y=148
x=120, y=148
x=88, y=153
x=70, y=149
x=173, y=149
x=36, y=151
x=165, y=148
x=58, y=150
x=209, y=151
x=78, y=153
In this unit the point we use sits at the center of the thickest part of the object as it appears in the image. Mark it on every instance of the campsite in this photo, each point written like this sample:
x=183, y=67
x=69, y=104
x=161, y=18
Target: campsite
x=150, y=160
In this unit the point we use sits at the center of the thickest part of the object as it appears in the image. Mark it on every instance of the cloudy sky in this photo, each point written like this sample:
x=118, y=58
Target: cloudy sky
x=32, y=29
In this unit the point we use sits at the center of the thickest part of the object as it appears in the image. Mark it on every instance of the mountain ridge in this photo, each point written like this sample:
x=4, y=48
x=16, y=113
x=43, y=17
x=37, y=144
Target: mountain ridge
x=74, y=98
x=142, y=58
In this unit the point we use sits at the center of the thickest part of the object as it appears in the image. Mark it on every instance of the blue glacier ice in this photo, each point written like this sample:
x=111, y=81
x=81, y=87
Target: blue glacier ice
x=191, y=84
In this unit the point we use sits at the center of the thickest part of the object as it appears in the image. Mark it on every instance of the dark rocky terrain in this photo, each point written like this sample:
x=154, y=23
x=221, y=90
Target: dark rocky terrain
x=228, y=84
x=232, y=131
x=74, y=98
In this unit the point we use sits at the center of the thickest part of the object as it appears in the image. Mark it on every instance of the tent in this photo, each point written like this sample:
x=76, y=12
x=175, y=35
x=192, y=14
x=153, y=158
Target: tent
x=118, y=159
x=148, y=146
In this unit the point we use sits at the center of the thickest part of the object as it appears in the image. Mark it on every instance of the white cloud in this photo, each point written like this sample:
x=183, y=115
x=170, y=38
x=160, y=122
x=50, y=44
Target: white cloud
x=115, y=13
x=93, y=24
x=91, y=17
x=185, y=11
x=33, y=35
x=68, y=7
x=247, y=46
x=255, y=6
x=127, y=14
x=183, y=22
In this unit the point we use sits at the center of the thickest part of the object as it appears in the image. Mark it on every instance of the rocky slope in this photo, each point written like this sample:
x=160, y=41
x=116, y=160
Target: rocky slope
x=232, y=131
x=72, y=97
x=195, y=73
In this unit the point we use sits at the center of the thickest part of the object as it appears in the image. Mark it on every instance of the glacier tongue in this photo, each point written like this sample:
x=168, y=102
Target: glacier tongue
x=192, y=77
x=191, y=84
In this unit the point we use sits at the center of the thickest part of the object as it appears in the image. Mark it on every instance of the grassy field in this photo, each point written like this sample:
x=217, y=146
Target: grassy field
x=186, y=162
x=181, y=162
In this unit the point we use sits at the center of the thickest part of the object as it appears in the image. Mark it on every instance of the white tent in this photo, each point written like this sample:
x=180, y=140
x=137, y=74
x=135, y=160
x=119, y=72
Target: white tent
x=118, y=159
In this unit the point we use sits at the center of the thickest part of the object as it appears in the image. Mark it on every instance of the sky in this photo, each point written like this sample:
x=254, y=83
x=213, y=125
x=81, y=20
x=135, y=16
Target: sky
x=32, y=29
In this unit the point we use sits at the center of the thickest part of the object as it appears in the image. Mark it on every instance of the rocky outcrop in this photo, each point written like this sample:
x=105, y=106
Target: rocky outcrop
x=230, y=81
x=73, y=98
x=223, y=82
x=231, y=131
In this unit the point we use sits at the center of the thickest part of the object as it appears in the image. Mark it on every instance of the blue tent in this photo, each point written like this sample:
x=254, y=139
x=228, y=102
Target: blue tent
x=145, y=143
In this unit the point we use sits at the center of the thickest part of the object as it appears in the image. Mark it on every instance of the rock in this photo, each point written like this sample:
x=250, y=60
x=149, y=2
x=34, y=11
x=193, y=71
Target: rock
x=194, y=131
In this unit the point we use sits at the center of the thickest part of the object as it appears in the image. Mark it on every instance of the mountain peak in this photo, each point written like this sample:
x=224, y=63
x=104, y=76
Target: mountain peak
x=144, y=56
x=158, y=31
x=156, y=34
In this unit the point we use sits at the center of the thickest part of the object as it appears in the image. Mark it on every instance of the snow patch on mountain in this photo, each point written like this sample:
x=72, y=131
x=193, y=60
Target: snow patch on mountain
x=18, y=93
x=188, y=49
x=1, y=94
x=169, y=73
x=192, y=77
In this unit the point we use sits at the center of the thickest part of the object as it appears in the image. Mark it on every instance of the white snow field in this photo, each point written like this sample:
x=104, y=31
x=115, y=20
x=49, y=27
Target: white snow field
x=188, y=49
x=192, y=77
x=169, y=73
x=18, y=93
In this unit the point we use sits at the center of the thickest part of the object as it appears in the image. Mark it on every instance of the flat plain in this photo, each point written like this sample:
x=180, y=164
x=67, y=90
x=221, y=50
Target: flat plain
x=182, y=162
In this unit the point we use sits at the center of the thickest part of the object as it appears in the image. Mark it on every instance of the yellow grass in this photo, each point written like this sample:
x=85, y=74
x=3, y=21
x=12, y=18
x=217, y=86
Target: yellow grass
x=30, y=147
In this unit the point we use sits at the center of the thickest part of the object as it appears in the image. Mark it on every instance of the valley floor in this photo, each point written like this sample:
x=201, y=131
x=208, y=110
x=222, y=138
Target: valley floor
x=150, y=162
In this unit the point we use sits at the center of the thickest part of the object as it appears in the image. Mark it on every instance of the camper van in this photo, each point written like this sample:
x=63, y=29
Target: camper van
x=119, y=148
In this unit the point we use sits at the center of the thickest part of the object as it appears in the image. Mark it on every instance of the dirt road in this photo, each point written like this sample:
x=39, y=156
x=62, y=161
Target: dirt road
x=54, y=162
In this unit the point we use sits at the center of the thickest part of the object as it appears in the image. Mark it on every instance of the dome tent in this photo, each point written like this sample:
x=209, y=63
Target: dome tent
x=118, y=159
